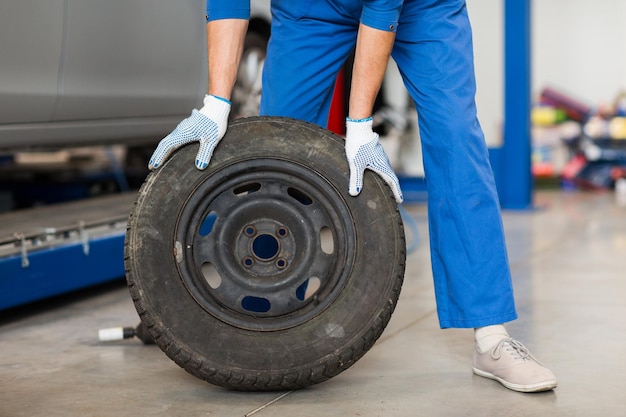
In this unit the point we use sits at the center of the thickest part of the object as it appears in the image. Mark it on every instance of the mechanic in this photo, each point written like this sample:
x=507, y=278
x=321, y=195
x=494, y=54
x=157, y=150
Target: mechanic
x=431, y=42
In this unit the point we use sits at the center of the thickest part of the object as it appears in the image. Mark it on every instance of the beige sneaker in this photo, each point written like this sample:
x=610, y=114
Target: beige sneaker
x=511, y=363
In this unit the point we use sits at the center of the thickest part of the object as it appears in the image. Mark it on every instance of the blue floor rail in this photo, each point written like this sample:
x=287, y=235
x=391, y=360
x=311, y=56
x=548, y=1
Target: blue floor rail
x=45, y=273
x=52, y=250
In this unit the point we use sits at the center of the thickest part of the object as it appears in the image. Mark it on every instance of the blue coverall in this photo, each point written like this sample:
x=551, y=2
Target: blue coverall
x=310, y=42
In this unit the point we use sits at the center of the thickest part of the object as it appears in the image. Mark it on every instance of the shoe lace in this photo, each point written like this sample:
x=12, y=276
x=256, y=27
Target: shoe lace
x=515, y=348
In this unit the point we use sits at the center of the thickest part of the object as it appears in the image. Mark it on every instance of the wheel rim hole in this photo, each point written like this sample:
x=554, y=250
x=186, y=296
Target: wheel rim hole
x=327, y=241
x=250, y=230
x=265, y=247
x=282, y=232
x=247, y=189
x=211, y=275
x=256, y=304
x=281, y=263
x=207, y=224
x=300, y=196
x=308, y=288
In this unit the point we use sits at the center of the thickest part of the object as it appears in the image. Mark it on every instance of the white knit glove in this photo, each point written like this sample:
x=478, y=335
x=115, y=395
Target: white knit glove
x=207, y=125
x=365, y=152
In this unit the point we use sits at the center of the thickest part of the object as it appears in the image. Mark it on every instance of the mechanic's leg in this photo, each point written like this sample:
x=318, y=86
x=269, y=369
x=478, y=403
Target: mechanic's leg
x=304, y=57
x=470, y=266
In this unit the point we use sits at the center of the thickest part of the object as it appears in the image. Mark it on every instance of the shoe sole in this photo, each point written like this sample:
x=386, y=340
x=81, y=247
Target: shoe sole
x=538, y=387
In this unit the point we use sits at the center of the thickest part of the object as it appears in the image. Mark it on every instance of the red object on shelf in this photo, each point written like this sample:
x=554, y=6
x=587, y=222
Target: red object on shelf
x=618, y=172
x=573, y=167
x=575, y=110
x=337, y=115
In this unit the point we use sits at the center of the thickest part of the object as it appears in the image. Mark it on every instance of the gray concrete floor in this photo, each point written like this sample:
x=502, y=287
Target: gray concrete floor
x=568, y=259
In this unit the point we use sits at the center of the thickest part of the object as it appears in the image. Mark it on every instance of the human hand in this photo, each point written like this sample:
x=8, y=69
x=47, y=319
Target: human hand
x=207, y=125
x=365, y=152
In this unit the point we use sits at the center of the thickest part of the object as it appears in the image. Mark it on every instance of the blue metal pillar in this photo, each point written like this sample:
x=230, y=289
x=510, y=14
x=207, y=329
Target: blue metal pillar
x=512, y=162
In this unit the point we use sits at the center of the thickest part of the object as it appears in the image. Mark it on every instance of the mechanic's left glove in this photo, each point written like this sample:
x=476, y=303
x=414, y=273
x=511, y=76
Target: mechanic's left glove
x=207, y=125
x=365, y=152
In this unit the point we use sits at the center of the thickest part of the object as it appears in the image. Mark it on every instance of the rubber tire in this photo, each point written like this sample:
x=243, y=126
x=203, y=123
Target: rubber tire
x=282, y=355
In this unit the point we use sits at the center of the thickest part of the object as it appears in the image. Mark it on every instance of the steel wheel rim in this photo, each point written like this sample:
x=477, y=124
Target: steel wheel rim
x=252, y=244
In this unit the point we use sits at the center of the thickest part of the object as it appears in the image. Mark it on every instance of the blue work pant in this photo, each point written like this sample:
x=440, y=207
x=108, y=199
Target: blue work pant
x=310, y=42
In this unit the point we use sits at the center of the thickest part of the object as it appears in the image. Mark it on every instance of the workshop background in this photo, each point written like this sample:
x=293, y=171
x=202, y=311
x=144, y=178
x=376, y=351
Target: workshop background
x=67, y=184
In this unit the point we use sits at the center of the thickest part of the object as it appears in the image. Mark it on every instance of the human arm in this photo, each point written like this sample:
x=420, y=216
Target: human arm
x=225, y=40
x=363, y=151
x=373, y=49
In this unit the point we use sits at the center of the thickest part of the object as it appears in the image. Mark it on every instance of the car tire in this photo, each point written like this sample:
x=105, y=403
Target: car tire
x=262, y=273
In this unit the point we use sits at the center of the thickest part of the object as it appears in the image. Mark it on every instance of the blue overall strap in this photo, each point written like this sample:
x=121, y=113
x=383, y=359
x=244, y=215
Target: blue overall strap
x=231, y=9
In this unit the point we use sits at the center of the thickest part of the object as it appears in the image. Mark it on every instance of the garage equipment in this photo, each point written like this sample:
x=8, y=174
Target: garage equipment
x=51, y=250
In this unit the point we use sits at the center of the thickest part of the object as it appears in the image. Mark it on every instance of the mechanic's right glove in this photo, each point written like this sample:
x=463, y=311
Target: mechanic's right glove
x=207, y=125
x=365, y=152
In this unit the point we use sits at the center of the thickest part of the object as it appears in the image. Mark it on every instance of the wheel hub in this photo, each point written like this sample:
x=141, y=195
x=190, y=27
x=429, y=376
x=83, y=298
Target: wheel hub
x=265, y=247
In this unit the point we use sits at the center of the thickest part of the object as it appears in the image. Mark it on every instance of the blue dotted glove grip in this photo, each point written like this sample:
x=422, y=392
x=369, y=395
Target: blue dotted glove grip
x=196, y=127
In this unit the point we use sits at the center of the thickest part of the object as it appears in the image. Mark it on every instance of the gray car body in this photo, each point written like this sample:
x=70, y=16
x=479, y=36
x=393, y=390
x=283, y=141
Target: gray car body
x=82, y=72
